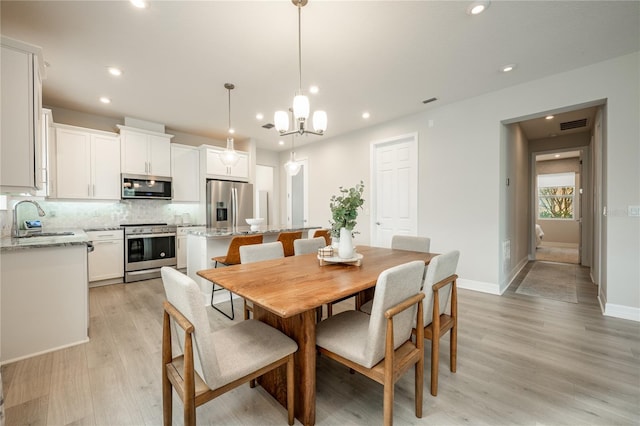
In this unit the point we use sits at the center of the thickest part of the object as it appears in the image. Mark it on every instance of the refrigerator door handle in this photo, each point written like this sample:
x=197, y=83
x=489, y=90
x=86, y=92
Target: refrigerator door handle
x=234, y=200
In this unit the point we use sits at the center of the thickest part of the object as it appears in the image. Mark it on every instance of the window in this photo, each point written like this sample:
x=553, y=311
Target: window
x=556, y=195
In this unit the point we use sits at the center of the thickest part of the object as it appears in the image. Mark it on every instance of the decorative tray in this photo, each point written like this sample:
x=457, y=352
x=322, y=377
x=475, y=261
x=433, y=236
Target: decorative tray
x=355, y=260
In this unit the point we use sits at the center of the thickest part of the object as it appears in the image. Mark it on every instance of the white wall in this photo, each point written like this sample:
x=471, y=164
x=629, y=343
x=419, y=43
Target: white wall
x=461, y=172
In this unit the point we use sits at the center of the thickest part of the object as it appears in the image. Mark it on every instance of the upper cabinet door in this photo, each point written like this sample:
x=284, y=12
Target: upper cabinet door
x=185, y=173
x=135, y=152
x=21, y=109
x=73, y=164
x=105, y=156
x=145, y=152
x=159, y=156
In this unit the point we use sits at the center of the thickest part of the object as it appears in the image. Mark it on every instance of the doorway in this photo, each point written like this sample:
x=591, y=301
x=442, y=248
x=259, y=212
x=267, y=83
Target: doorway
x=298, y=196
x=557, y=201
x=394, y=177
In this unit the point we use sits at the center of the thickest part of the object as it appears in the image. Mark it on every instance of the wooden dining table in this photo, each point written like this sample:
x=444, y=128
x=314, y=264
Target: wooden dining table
x=286, y=293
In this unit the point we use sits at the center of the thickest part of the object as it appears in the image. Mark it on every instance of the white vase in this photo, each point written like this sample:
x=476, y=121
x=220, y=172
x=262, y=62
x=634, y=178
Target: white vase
x=345, y=249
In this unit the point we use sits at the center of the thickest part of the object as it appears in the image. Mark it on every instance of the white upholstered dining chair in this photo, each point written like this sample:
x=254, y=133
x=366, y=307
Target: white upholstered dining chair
x=379, y=345
x=403, y=242
x=410, y=242
x=441, y=310
x=258, y=253
x=308, y=245
x=213, y=362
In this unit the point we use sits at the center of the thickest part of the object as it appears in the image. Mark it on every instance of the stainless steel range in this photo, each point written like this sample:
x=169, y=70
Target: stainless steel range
x=147, y=248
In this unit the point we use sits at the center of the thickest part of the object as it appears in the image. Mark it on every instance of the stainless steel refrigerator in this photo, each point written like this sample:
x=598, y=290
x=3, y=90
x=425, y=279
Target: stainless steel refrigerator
x=228, y=203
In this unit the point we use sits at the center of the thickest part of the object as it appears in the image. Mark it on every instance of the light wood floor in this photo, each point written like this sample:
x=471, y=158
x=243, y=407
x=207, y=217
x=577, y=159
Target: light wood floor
x=522, y=360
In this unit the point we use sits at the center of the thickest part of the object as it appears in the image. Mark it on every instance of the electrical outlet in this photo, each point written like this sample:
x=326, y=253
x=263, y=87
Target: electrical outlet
x=633, y=211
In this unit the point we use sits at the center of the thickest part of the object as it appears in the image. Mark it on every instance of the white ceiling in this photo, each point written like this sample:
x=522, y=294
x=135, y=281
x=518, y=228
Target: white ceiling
x=384, y=57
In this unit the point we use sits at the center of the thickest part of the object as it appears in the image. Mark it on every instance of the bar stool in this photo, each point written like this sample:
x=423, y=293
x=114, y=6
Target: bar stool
x=233, y=258
x=287, y=238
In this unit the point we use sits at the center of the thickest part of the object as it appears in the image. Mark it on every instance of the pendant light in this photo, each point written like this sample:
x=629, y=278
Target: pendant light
x=301, y=105
x=229, y=156
x=292, y=167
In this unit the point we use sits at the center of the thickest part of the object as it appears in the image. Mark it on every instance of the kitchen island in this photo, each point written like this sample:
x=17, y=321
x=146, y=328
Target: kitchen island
x=43, y=294
x=212, y=242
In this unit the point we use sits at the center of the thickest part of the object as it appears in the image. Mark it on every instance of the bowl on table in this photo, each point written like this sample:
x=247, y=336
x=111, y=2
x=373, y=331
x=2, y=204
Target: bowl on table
x=255, y=222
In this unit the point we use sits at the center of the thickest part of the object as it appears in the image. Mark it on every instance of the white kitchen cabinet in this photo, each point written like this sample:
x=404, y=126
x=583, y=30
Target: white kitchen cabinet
x=46, y=150
x=181, y=243
x=144, y=152
x=216, y=169
x=21, y=114
x=185, y=173
x=87, y=163
x=106, y=261
x=44, y=301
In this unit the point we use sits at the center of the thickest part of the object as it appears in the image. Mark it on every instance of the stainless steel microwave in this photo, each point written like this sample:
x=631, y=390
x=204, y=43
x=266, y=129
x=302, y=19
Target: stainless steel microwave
x=146, y=187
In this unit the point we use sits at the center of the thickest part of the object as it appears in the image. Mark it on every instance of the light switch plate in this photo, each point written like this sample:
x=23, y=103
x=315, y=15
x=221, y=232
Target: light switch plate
x=633, y=211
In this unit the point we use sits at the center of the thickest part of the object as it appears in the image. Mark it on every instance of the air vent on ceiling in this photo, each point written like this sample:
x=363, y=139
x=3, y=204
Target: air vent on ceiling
x=575, y=124
x=426, y=101
x=268, y=126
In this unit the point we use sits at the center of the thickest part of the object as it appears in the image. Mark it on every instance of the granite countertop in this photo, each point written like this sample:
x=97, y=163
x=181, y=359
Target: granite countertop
x=246, y=230
x=79, y=237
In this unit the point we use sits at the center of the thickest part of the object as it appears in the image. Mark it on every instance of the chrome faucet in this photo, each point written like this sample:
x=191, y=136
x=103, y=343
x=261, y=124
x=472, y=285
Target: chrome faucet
x=15, y=214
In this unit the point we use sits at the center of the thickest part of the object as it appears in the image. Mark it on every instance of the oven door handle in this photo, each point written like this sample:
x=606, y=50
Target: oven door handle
x=134, y=236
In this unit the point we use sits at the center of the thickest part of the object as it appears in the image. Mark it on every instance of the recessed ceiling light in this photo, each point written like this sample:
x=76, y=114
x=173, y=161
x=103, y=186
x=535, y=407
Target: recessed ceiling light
x=477, y=7
x=140, y=4
x=232, y=130
x=115, y=71
x=259, y=116
x=508, y=68
x=557, y=156
x=280, y=142
x=549, y=117
x=366, y=115
x=105, y=100
x=314, y=89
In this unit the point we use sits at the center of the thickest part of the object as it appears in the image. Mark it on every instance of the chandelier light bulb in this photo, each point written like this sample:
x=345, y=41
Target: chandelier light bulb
x=320, y=121
x=281, y=121
x=301, y=107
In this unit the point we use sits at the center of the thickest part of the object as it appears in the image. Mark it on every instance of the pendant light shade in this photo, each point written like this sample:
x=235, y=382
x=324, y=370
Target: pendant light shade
x=229, y=157
x=301, y=107
x=320, y=121
x=292, y=167
x=281, y=121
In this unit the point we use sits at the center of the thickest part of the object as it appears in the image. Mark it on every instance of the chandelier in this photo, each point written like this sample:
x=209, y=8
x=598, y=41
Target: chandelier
x=300, y=101
x=229, y=156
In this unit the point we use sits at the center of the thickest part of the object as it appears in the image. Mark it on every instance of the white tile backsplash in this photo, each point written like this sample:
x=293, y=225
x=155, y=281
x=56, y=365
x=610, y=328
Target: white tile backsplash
x=97, y=214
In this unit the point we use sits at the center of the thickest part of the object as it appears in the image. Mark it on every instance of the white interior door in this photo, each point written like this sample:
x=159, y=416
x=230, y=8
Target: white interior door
x=298, y=196
x=395, y=188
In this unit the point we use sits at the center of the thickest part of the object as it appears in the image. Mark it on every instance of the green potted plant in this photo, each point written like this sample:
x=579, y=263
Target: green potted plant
x=344, y=212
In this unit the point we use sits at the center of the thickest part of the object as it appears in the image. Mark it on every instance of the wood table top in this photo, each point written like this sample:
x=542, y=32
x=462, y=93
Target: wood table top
x=295, y=284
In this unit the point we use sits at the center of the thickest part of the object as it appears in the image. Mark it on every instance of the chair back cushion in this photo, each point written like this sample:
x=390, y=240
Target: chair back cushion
x=323, y=233
x=440, y=267
x=393, y=286
x=411, y=243
x=185, y=295
x=260, y=252
x=308, y=245
x=233, y=253
x=287, y=239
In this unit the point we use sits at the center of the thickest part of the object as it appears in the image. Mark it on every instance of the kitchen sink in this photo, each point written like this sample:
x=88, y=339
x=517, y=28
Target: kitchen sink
x=44, y=234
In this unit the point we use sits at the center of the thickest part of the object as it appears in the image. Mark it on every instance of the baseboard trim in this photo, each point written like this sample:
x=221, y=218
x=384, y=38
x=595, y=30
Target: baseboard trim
x=482, y=287
x=57, y=348
x=622, y=311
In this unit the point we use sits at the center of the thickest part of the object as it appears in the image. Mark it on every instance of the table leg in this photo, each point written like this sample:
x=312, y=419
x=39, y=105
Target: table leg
x=302, y=329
